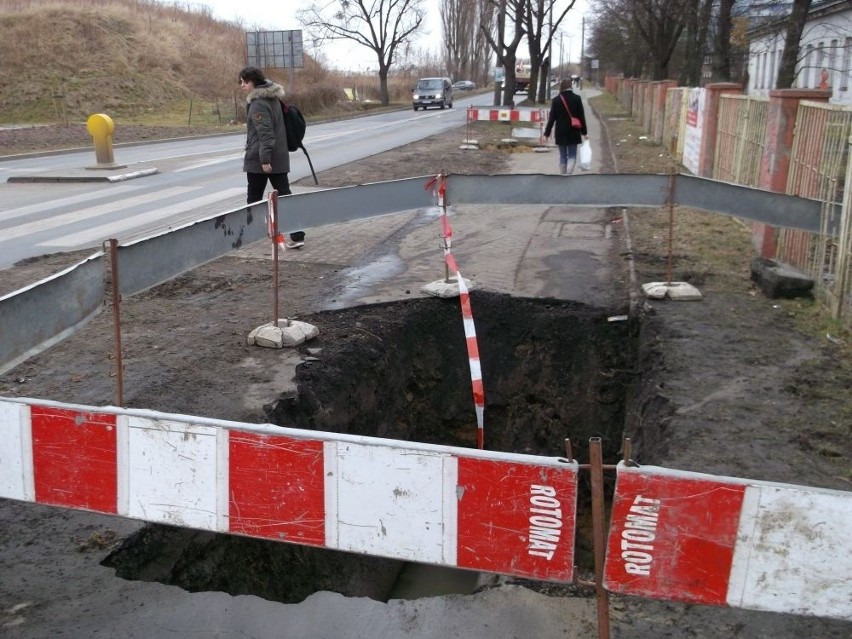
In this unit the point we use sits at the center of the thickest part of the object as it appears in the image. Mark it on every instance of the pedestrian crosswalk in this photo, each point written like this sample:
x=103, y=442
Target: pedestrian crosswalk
x=123, y=212
x=114, y=229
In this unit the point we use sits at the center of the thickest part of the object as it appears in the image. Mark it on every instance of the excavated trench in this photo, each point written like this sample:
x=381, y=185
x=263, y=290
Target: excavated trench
x=551, y=370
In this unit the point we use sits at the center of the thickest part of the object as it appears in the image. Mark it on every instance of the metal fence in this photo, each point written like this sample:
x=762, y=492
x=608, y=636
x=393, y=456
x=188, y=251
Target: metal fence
x=740, y=139
x=820, y=169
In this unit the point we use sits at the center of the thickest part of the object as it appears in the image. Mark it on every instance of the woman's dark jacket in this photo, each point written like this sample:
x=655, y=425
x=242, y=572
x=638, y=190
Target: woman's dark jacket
x=266, y=141
x=565, y=133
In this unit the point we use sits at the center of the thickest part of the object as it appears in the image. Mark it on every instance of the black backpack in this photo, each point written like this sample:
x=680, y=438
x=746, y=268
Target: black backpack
x=294, y=127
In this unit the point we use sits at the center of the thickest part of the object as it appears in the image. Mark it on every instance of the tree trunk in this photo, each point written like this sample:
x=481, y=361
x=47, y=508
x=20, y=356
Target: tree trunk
x=384, y=95
x=509, y=62
x=690, y=73
x=795, y=27
x=544, y=80
x=722, y=53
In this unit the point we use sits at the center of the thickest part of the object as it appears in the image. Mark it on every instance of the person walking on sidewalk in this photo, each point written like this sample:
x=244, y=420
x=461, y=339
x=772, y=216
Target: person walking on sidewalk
x=569, y=119
x=266, y=157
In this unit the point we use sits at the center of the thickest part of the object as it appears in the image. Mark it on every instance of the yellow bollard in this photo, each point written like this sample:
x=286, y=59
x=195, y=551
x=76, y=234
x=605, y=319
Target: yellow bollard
x=101, y=127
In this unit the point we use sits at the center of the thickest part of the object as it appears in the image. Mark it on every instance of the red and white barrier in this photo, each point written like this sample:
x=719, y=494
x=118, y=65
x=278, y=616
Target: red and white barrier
x=509, y=114
x=697, y=538
x=492, y=512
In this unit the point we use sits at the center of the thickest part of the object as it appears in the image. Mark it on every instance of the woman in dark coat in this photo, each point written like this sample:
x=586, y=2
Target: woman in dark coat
x=267, y=157
x=567, y=136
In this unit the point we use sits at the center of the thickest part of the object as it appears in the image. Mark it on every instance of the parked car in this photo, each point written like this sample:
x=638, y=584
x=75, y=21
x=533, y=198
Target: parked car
x=464, y=85
x=437, y=92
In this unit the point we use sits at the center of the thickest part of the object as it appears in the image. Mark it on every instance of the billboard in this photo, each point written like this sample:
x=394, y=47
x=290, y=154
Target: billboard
x=274, y=49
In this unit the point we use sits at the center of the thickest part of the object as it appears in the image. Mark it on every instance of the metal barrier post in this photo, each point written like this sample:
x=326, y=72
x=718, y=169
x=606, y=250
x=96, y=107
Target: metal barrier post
x=116, y=321
x=599, y=534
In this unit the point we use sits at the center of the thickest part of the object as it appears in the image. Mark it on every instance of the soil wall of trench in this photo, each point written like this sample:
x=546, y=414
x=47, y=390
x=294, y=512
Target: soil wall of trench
x=551, y=370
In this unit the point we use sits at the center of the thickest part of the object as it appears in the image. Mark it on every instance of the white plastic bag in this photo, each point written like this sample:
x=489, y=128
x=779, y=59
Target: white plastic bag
x=585, y=156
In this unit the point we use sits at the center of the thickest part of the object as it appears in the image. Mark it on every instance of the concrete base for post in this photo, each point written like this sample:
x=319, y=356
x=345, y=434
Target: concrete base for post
x=288, y=333
x=469, y=145
x=444, y=288
x=676, y=291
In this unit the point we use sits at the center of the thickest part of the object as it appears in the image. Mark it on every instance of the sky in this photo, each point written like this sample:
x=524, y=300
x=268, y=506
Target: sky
x=350, y=57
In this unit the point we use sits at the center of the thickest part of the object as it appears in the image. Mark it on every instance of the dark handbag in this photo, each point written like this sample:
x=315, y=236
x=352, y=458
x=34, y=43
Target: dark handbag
x=575, y=122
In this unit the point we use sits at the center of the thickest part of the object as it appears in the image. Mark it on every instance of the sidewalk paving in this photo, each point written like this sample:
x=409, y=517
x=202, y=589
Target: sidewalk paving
x=535, y=250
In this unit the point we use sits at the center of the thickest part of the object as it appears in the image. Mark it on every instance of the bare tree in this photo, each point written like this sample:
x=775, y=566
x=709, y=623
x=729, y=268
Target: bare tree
x=466, y=48
x=540, y=27
x=508, y=14
x=380, y=25
x=660, y=23
x=482, y=58
x=696, y=16
x=795, y=27
x=616, y=40
x=723, y=41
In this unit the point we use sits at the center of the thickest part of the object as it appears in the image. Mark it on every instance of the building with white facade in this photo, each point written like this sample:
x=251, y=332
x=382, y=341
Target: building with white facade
x=825, y=52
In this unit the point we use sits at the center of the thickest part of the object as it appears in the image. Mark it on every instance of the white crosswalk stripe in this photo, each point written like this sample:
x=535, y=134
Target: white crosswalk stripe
x=113, y=229
x=64, y=202
x=76, y=217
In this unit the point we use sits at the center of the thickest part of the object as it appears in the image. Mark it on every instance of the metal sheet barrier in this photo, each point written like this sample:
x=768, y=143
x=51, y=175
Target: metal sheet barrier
x=36, y=317
x=29, y=319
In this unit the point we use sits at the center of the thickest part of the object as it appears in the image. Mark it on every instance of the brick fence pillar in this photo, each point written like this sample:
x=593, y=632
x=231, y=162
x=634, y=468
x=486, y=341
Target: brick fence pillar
x=707, y=153
x=778, y=145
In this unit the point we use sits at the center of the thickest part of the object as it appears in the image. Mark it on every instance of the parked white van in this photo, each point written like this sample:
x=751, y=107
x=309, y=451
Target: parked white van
x=434, y=92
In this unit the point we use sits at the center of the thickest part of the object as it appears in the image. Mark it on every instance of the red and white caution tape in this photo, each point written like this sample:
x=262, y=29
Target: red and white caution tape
x=472, y=355
x=439, y=182
x=272, y=229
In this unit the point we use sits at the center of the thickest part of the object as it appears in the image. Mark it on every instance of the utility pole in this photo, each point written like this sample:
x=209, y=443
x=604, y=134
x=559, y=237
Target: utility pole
x=582, y=45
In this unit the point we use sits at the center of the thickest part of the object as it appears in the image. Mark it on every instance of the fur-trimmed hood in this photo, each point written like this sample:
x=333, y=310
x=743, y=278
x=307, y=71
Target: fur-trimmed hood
x=267, y=90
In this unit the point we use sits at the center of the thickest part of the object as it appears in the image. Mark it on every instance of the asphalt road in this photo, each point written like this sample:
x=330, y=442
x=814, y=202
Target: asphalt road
x=196, y=177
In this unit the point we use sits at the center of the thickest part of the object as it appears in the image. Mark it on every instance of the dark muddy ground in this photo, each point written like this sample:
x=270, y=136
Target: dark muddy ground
x=731, y=385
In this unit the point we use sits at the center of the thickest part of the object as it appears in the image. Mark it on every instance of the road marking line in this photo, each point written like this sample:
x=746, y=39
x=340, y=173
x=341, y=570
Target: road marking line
x=87, y=214
x=112, y=229
x=65, y=201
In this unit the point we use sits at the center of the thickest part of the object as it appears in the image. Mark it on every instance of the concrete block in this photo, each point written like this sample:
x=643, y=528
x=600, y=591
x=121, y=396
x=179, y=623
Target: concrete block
x=441, y=288
x=779, y=280
x=288, y=333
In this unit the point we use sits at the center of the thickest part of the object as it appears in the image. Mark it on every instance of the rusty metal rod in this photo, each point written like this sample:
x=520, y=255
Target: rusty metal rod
x=598, y=535
x=116, y=322
x=273, y=202
x=669, y=267
x=568, y=452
